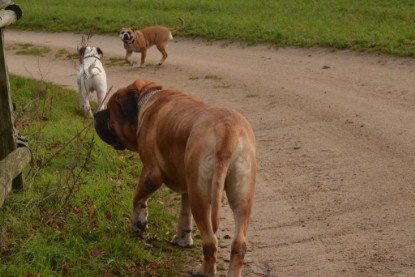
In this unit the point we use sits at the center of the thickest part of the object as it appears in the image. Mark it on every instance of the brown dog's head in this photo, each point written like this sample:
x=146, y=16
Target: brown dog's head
x=127, y=35
x=117, y=125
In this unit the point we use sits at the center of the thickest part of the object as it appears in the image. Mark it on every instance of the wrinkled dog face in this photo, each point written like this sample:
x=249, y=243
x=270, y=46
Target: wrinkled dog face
x=127, y=35
x=117, y=125
x=105, y=131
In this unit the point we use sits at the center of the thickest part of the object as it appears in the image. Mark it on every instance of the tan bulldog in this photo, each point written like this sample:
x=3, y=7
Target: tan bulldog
x=141, y=40
x=196, y=149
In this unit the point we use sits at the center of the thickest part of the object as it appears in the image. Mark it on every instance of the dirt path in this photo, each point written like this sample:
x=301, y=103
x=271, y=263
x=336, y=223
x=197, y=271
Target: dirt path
x=335, y=139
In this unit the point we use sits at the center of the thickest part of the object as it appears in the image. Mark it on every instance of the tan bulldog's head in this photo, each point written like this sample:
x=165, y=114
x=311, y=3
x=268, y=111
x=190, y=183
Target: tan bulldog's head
x=127, y=35
x=117, y=125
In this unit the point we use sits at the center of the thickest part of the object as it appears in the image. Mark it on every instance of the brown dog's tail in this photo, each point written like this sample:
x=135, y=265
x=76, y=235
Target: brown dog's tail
x=224, y=150
x=181, y=26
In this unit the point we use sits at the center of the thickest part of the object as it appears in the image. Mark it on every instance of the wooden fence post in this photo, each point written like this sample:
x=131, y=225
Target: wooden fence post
x=7, y=140
x=10, y=167
x=9, y=14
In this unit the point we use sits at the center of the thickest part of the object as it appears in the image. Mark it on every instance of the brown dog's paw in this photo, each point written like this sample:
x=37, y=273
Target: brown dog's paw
x=139, y=219
x=139, y=228
x=199, y=271
x=184, y=242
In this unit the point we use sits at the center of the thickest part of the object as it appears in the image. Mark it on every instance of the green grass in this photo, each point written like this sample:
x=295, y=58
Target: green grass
x=29, y=49
x=72, y=217
x=373, y=25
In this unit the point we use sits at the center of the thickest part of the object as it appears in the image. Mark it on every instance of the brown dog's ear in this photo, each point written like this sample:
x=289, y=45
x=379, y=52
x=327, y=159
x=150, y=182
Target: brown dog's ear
x=128, y=106
x=139, y=84
x=151, y=86
x=100, y=52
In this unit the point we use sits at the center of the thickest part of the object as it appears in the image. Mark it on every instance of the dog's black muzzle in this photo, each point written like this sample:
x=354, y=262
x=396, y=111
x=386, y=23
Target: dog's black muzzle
x=104, y=130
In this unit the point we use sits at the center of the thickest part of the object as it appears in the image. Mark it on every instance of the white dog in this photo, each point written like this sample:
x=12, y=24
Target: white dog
x=91, y=77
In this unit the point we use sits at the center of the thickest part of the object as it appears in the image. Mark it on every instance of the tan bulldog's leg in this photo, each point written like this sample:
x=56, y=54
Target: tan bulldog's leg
x=127, y=55
x=143, y=56
x=162, y=49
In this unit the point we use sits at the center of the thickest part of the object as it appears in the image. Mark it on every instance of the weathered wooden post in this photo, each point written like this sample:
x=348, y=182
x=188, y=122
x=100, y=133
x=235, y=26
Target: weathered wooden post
x=9, y=14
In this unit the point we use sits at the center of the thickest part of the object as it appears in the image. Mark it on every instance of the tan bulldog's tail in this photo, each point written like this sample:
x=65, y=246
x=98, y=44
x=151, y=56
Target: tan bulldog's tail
x=179, y=27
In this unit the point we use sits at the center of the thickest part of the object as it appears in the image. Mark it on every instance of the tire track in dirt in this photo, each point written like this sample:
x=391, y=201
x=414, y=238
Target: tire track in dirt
x=335, y=139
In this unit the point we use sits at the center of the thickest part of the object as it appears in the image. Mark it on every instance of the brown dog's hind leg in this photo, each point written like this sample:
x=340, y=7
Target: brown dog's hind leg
x=238, y=248
x=163, y=52
x=240, y=192
x=200, y=210
x=210, y=246
x=183, y=237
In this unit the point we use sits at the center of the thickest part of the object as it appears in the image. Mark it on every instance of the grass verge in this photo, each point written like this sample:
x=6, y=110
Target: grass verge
x=72, y=217
x=373, y=25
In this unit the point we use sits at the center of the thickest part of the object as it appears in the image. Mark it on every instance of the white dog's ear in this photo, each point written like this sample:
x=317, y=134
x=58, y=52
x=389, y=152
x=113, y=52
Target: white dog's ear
x=81, y=51
x=100, y=52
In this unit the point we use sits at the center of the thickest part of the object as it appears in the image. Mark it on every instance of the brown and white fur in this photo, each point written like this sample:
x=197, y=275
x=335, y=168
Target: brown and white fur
x=196, y=149
x=91, y=77
x=141, y=40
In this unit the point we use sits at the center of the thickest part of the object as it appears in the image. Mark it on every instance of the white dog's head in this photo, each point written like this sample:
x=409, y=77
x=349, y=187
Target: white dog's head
x=90, y=51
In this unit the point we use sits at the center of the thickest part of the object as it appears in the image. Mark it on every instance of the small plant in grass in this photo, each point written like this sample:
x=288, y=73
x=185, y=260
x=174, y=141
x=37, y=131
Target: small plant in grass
x=113, y=61
x=66, y=55
x=30, y=49
x=213, y=77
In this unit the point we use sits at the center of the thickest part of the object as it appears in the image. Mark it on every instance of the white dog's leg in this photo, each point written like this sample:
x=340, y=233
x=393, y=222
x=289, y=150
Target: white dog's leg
x=84, y=100
x=101, y=92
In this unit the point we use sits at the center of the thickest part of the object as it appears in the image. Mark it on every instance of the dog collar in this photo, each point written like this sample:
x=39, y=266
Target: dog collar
x=131, y=41
x=145, y=98
x=91, y=56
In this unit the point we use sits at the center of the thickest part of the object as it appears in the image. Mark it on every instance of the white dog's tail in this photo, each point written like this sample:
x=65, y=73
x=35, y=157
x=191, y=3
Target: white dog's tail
x=94, y=70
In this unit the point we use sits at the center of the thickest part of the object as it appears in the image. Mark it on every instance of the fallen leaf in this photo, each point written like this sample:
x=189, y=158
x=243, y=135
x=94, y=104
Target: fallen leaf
x=154, y=265
x=96, y=252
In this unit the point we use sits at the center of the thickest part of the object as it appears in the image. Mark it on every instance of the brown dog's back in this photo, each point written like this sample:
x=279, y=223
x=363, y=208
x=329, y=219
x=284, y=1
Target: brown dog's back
x=215, y=144
x=156, y=34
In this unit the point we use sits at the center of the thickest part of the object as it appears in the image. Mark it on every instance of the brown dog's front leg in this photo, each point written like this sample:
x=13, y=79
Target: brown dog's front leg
x=183, y=237
x=145, y=188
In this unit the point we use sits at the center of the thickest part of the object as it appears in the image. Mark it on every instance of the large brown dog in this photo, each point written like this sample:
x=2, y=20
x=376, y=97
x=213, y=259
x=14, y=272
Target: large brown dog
x=141, y=40
x=196, y=149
